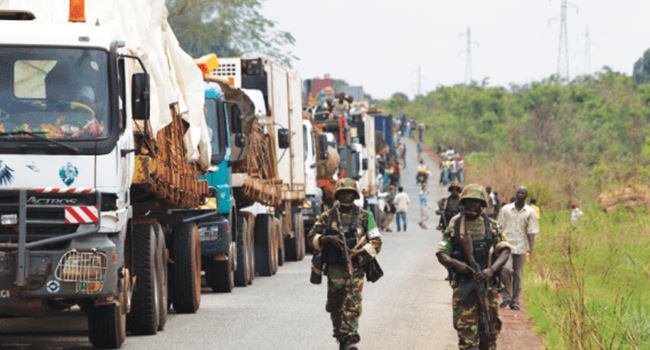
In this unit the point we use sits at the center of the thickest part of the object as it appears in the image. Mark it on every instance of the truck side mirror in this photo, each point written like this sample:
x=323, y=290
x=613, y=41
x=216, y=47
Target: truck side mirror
x=240, y=140
x=364, y=164
x=283, y=138
x=140, y=102
x=235, y=118
x=322, y=145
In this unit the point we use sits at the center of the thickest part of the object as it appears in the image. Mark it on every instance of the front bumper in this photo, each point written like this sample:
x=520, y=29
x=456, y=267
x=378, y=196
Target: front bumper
x=43, y=273
x=216, y=237
x=80, y=263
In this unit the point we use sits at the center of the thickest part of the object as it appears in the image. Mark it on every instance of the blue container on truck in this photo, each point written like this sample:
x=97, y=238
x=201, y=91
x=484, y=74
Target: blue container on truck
x=384, y=125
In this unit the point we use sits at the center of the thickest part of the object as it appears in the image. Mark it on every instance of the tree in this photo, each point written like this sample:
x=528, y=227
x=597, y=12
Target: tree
x=641, y=71
x=228, y=28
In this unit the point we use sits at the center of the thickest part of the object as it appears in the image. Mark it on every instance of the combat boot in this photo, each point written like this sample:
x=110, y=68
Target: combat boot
x=350, y=342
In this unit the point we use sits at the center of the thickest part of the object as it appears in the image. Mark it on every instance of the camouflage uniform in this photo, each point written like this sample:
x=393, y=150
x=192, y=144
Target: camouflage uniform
x=344, y=292
x=466, y=312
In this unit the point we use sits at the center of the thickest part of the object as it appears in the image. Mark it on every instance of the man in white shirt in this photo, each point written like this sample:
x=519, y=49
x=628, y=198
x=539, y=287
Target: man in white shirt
x=401, y=201
x=520, y=226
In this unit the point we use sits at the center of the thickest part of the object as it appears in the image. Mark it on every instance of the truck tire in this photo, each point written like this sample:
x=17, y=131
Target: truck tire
x=107, y=324
x=162, y=270
x=295, y=246
x=300, y=224
x=242, y=273
x=219, y=276
x=187, y=268
x=144, y=316
x=250, y=246
x=264, y=246
x=279, y=239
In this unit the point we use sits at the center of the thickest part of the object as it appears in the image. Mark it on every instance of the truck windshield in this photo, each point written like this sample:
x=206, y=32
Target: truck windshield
x=216, y=120
x=59, y=93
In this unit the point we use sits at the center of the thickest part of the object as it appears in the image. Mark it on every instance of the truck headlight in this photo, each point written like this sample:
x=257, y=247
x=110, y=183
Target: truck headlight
x=9, y=219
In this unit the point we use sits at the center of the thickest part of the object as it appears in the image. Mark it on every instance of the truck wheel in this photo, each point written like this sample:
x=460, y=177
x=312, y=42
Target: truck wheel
x=187, y=268
x=107, y=324
x=242, y=273
x=219, y=275
x=144, y=316
x=264, y=254
x=250, y=247
x=279, y=239
x=161, y=271
x=295, y=250
x=300, y=224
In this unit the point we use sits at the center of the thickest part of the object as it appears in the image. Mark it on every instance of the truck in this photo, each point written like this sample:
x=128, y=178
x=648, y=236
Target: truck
x=269, y=168
x=102, y=141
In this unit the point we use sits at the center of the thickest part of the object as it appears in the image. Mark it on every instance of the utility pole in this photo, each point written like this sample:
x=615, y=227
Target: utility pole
x=468, y=55
x=419, y=91
x=563, y=49
x=587, y=53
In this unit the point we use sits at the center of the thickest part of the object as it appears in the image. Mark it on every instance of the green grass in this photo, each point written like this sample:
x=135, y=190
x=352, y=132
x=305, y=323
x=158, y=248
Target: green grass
x=588, y=286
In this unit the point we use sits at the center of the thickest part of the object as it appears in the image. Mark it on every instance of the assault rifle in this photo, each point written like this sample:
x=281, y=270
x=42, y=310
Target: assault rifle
x=477, y=288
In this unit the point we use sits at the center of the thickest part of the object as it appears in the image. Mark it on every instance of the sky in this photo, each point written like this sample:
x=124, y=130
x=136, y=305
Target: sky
x=381, y=44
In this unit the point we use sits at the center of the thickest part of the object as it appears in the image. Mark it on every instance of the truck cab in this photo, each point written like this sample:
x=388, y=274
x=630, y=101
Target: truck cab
x=217, y=237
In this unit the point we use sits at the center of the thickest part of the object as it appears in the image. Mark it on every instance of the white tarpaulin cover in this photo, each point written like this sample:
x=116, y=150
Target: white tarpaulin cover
x=174, y=75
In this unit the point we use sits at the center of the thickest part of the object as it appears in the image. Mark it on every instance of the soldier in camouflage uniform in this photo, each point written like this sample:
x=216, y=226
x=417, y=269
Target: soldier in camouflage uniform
x=345, y=282
x=491, y=251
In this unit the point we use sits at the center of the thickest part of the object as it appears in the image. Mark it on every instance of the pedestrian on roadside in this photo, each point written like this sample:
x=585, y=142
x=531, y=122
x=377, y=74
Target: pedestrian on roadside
x=419, y=150
x=520, y=228
x=402, y=201
x=489, y=253
x=423, y=195
x=389, y=210
x=533, y=204
x=345, y=272
x=490, y=210
x=461, y=170
x=576, y=213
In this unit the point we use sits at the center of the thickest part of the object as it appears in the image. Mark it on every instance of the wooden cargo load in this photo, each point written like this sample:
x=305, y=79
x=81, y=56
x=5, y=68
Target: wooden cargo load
x=162, y=174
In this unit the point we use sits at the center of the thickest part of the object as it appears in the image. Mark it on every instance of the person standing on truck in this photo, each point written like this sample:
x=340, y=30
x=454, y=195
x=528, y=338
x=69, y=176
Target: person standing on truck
x=345, y=260
x=402, y=201
x=473, y=270
x=520, y=227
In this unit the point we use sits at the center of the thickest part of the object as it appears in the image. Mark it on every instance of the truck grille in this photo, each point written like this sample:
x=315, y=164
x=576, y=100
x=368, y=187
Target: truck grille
x=48, y=212
x=77, y=266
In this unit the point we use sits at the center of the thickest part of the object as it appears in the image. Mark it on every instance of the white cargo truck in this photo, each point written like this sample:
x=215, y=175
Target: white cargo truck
x=102, y=137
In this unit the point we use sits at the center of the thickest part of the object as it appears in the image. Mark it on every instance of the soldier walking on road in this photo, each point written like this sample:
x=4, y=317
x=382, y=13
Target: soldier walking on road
x=520, y=227
x=450, y=206
x=474, y=250
x=344, y=260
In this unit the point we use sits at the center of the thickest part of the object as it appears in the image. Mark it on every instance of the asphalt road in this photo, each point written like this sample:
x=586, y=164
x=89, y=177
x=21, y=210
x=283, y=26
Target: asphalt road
x=409, y=308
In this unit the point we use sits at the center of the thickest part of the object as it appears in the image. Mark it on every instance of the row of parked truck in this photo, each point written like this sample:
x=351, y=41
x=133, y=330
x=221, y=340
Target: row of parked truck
x=132, y=175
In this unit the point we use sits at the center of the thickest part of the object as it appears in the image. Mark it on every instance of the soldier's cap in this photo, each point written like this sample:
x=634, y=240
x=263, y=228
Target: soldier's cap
x=474, y=191
x=455, y=184
x=347, y=184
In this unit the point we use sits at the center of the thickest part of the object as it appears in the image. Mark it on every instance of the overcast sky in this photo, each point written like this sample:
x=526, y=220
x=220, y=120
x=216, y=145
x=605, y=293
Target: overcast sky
x=381, y=43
